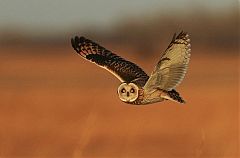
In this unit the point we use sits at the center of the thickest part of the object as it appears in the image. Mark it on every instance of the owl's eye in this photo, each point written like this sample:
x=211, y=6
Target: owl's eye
x=132, y=90
x=123, y=90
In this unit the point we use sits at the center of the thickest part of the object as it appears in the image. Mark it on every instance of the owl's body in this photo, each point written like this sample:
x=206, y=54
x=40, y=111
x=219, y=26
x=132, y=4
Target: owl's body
x=148, y=98
x=153, y=96
x=137, y=87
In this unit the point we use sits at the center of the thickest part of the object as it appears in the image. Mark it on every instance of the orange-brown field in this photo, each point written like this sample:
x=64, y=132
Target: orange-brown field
x=62, y=106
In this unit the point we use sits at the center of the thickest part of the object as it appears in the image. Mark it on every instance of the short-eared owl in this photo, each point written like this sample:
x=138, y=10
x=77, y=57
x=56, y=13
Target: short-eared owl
x=137, y=87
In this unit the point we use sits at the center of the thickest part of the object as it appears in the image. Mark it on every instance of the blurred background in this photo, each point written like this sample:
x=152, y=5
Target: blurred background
x=55, y=104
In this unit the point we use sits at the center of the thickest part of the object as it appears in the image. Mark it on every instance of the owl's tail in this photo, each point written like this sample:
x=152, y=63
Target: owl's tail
x=173, y=95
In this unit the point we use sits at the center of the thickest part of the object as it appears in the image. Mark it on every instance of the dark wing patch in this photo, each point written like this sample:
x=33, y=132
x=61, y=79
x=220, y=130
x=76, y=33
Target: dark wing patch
x=124, y=70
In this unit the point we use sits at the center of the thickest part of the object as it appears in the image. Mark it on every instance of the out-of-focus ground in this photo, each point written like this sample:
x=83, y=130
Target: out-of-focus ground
x=55, y=104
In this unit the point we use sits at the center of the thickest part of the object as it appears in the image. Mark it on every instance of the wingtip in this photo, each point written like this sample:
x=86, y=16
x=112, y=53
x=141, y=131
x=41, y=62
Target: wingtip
x=182, y=34
x=80, y=39
x=73, y=43
x=174, y=36
x=76, y=41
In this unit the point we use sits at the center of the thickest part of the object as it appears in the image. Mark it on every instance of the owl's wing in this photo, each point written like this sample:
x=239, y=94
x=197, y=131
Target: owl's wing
x=124, y=70
x=173, y=64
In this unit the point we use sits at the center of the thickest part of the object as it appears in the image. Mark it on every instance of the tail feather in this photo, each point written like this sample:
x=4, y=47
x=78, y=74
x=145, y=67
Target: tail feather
x=174, y=96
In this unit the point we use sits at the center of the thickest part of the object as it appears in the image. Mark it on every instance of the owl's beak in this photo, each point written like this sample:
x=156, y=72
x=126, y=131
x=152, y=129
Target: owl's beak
x=127, y=94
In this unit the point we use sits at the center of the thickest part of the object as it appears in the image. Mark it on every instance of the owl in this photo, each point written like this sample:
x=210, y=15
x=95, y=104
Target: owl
x=136, y=86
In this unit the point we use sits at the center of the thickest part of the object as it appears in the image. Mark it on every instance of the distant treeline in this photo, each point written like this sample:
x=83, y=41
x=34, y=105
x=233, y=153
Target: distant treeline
x=151, y=32
x=206, y=30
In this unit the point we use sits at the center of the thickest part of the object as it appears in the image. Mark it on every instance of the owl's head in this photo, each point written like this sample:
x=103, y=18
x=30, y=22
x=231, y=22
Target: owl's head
x=128, y=92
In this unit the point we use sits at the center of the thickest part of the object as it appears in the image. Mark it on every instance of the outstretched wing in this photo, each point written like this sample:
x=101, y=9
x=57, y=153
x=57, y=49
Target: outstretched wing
x=124, y=70
x=172, y=67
